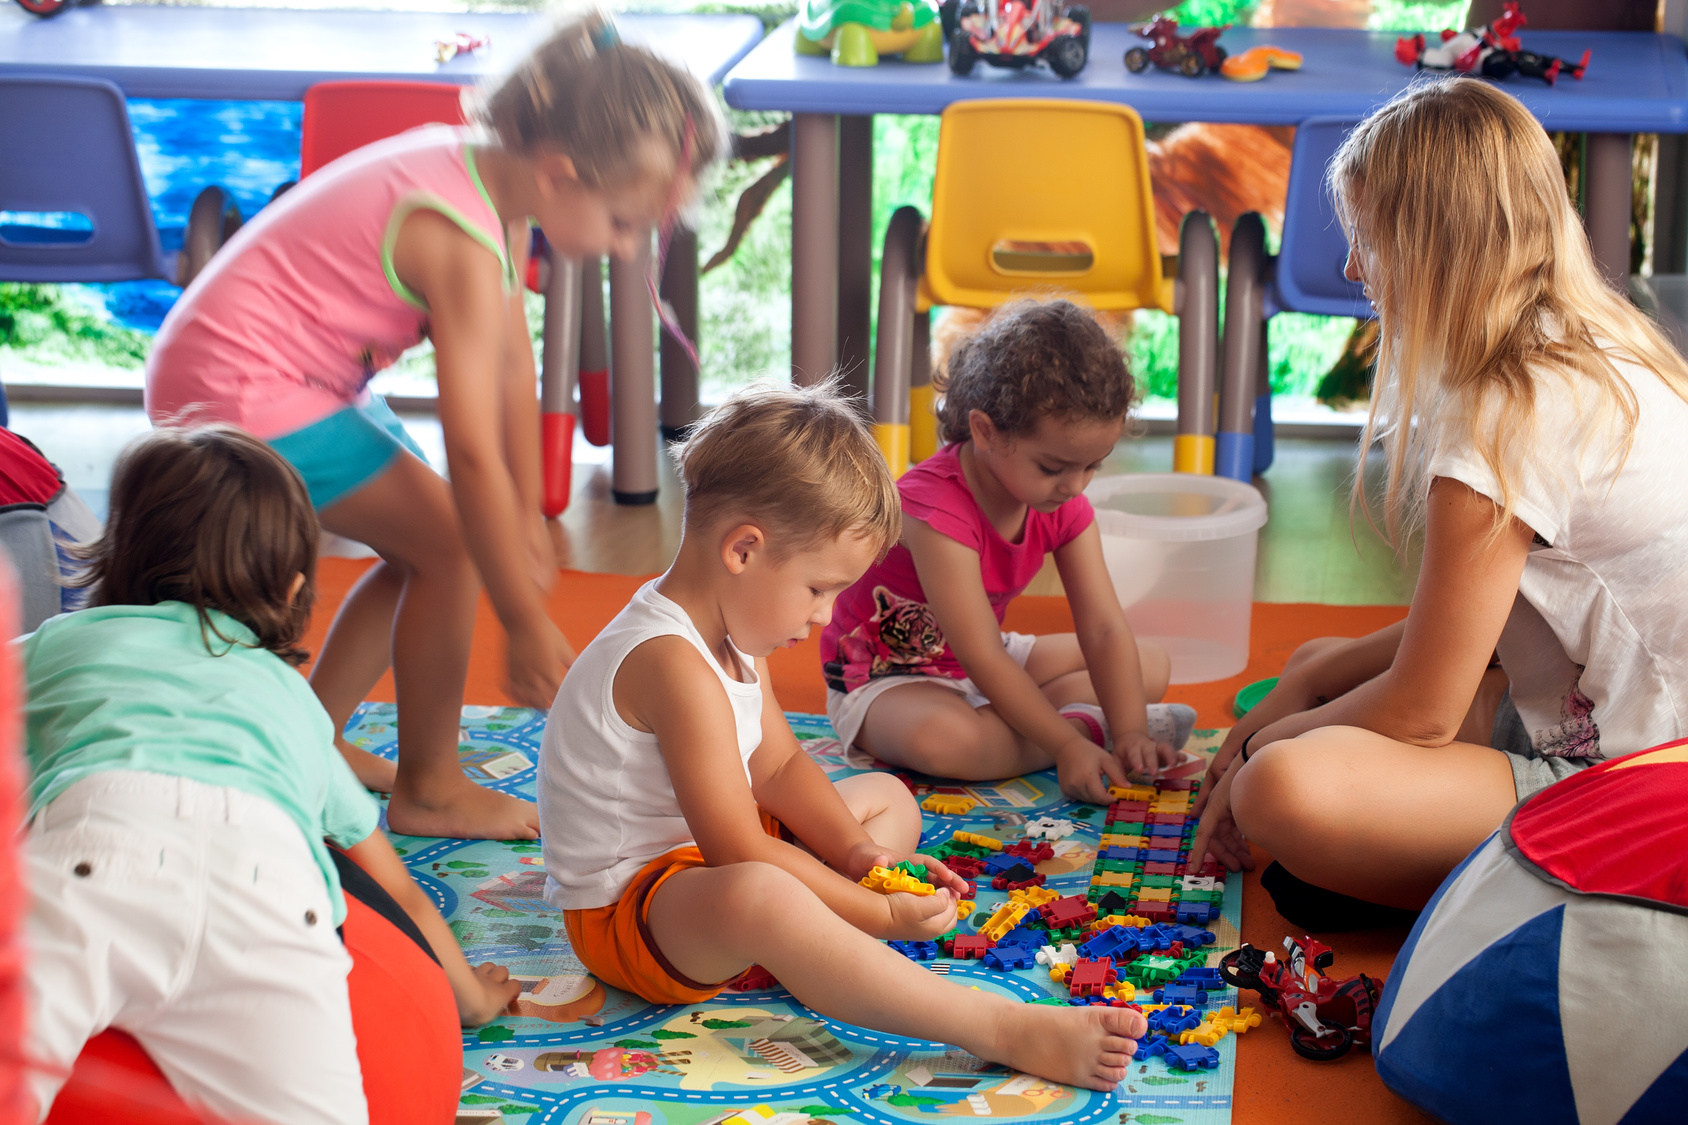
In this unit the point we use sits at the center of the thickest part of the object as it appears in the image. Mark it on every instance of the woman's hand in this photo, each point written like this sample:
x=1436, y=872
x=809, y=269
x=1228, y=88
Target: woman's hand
x=867, y=855
x=538, y=655
x=1218, y=834
x=1287, y=697
x=1085, y=770
x=488, y=993
x=919, y=917
x=543, y=554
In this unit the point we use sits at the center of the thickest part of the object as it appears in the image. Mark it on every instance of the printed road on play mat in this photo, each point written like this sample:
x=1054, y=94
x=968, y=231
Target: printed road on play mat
x=576, y=1052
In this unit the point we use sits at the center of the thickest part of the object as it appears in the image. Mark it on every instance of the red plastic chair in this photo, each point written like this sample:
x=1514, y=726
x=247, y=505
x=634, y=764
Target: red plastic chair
x=342, y=116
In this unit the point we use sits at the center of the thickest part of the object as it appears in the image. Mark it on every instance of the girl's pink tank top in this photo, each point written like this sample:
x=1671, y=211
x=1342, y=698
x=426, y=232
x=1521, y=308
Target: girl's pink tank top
x=291, y=319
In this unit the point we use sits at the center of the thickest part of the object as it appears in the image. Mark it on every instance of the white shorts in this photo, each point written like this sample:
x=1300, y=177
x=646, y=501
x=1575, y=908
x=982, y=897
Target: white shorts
x=847, y=712
x=194, y=918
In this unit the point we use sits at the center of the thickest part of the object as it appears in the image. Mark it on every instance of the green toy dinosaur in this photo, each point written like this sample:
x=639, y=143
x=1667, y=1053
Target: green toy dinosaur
x=857, y=32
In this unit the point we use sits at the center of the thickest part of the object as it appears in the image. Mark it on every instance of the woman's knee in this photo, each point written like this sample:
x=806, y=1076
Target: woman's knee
x=1284, y=790
x=1308, y=650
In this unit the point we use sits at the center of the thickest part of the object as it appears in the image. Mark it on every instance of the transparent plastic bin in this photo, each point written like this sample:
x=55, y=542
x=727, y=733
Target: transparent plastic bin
x=1180, y=549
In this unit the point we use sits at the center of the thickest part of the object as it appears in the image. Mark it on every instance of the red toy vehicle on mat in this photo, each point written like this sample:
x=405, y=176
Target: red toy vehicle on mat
x=1020, y=33
x=1191, y=55
x=1325, y=1016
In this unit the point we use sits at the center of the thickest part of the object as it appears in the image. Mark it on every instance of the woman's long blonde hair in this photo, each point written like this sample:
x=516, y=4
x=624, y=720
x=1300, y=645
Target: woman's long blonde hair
x=1483, y=281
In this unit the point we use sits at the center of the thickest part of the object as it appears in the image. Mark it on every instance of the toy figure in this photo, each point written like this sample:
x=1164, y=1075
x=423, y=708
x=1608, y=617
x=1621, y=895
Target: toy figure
x=1191, y=56
x=459, y=43
x=1325, y=1017
x=1020, y=33
x=857, y=32
x=1493, y=51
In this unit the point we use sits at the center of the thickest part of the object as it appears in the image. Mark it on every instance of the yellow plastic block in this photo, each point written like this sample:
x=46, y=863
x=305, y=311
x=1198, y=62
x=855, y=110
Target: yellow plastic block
x=1124, y=990
x=1154, y=894
x=1131, y=792
x=1007, y=916
x=1059, y=970
x=949, y=804
x=1207, y=1034
x=887, y=881
x=1034, y=897
x=1117, y=841
x=1114, y=879
x=977, y=840
x=1234, y=1021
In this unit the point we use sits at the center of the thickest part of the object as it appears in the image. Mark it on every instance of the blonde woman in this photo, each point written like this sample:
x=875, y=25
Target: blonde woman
x=1533, y=425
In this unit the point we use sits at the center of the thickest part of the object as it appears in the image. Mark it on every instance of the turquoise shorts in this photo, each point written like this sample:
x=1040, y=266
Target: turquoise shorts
x=346, y=450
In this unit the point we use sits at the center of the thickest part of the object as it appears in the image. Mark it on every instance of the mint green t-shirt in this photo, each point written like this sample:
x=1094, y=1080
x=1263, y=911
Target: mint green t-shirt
x=133, y=687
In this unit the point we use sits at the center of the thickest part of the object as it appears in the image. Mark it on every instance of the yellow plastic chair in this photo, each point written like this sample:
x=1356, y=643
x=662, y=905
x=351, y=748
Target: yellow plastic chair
x=1040, y=197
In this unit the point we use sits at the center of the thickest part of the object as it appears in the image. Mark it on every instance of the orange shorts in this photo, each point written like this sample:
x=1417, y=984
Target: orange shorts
x=614, y=942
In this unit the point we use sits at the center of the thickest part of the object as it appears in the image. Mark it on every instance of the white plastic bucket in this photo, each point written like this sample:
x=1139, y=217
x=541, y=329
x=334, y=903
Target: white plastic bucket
x=1180, y=549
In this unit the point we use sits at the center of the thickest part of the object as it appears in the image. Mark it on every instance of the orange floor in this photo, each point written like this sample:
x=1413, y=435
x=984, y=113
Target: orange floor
x=1274, y=1086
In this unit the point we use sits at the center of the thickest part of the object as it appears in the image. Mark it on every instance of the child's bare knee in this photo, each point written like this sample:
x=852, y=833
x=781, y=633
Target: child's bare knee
x=1278, y=794
x=749, y=888
x=944, y=741
x=883, y=792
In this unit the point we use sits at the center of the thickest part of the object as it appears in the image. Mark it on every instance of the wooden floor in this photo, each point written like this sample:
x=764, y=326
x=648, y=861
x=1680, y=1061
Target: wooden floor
x=1310, y=551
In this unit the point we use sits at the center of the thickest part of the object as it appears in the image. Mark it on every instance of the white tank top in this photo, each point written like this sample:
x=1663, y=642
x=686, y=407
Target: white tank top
x=606, y=804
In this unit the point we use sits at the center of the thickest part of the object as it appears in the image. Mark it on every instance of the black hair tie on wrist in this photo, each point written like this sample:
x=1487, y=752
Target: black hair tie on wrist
x=1244, y=750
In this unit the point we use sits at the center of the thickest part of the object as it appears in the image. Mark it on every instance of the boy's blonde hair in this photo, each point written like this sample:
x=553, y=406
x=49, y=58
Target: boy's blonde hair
x=1484, y=284
x=604, y=103
x=797, y=461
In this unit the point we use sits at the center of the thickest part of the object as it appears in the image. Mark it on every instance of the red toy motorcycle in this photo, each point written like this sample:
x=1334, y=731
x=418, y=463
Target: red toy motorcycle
x=1325, y=1017
x=1191, y=56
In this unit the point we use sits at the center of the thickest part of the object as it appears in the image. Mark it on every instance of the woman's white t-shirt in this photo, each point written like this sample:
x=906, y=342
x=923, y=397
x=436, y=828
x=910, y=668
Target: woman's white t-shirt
x=606, y=803
x=1596, y=646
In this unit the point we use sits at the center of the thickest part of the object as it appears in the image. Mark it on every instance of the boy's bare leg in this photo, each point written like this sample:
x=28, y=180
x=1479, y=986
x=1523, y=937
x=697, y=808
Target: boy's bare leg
x=357, y=650
x=408, y=516
x=884, y=807
x=711, y=922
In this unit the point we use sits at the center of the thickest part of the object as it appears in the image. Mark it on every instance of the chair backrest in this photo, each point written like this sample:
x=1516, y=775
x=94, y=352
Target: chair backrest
x=70, y=166
x=342, y=116
x=1309, y=274
x=1043, y=194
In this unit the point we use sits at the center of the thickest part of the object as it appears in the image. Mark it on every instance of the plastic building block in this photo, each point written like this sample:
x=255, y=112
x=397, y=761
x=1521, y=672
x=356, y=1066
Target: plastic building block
x=1024, y=935
x=1067, y=912
x=1208, y=1034
x=1017, y=872
x=1003, y=919
x=1153, y=911
x=1131, y=792
x=1192, y=1057
x=913, y=869
x=1049, y=828
x=1154, y=894
x=1150, y=1046
x=1089, y=977
x=977, y=841
x=755, y=979
x=964, y=907
x=1003, y=883
x=1005, y=958
x=1203, y=978
x=1196, y=913
x=1159, y=831
x=1187, y=995
x=917, y=950
x=1033, y=896
x=1033, y=852
x=1051, y=956
x=1112, y=903
x=949, y=804
x=1128, y=855
x=1235, y=1021
x=1122, y=991
x=1160, y=855
x=1192, y=937
x=966, y=866
x=1118, y=942
x=1199, y=883
x=965, y=946
x=1173, y=1020
x=886, y=881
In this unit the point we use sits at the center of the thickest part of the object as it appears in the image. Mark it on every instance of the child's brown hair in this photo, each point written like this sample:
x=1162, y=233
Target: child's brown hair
x=798, y=460
x=213, y=517
x=587, y=94
x=1031, y=360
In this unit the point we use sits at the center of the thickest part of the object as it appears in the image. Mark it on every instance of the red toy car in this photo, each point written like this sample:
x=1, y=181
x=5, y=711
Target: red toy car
x=1325, y=1016
x=1191, y=56
x=1020, y=33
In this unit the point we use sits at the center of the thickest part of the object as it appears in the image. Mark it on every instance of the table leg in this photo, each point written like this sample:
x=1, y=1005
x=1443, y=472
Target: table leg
x=594, y=355
x=1198, y=343
x=1240, y=360
x=1608, y=204
x=558, y=367
x=632, y=381
x=679, y=375
x=855, y=250
x=814, y=247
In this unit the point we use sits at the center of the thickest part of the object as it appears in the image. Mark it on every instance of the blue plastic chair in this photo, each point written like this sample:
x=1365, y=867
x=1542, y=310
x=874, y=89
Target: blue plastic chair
x=1305, y=276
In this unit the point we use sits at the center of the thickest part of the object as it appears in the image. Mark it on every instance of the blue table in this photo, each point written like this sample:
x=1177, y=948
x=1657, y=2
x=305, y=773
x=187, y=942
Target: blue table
x=1636, y=82
x=261, y=54
x=269, y=54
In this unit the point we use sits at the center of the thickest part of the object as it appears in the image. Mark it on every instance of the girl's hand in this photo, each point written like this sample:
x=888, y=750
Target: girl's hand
x=1141, y=755
x=538, y=655
x=919, y=917
x=867, y=855
x=1085, y=771
x=1218, y=834
x=489, y=993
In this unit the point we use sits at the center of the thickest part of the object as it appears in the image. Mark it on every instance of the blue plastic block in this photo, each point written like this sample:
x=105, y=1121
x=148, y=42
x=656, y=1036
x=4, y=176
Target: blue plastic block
x=1007, y=958
x=1192, y=1056
x=1118, y=942
x=1171, y=1021
x=1166, y=829
x=1158, y=855
x=1196, y=913
x=1203, y=978
x=1156, y=937
x=1025, y=935
x=997, y=864
x=917, y=950
x=1150, y=1046
x=1185, y=994
x=1192, y=937
x=1131, y=855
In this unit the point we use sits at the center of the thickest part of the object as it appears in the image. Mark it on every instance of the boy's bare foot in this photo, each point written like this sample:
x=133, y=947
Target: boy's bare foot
x=371, y=770
x=464, y=811
x=1089, y=1047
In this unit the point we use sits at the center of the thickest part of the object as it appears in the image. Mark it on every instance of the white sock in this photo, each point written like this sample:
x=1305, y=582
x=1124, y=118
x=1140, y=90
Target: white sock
x=1168, y=722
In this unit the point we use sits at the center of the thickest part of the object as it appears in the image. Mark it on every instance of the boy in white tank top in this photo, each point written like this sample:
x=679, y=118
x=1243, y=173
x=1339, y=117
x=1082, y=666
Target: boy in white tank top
x=688, y=836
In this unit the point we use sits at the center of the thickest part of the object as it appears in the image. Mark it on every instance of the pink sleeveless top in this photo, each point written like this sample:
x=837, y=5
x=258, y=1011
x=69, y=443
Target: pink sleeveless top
x=294, y=316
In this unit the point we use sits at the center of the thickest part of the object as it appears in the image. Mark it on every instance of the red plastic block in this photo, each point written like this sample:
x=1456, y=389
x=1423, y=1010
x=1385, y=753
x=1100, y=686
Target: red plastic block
x=1153, y=911
x=1066, y=912
x=966, y=946
x=1163, y=869
x=1032, y=851
x=1090, y=976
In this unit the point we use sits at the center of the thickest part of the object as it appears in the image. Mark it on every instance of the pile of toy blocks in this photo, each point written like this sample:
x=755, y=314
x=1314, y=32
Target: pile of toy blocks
x=1142, y=866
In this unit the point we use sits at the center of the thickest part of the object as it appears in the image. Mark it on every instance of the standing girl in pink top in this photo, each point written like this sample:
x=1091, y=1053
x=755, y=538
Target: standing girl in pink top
x=919, y=672
x=425, y=235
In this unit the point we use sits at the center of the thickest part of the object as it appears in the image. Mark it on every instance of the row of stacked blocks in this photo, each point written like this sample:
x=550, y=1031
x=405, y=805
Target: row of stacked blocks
x=1137, y=930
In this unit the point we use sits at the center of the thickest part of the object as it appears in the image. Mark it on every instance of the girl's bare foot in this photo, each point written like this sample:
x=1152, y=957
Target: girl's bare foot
x=1089, y=1047
x=462, y=810
x=371, y=770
